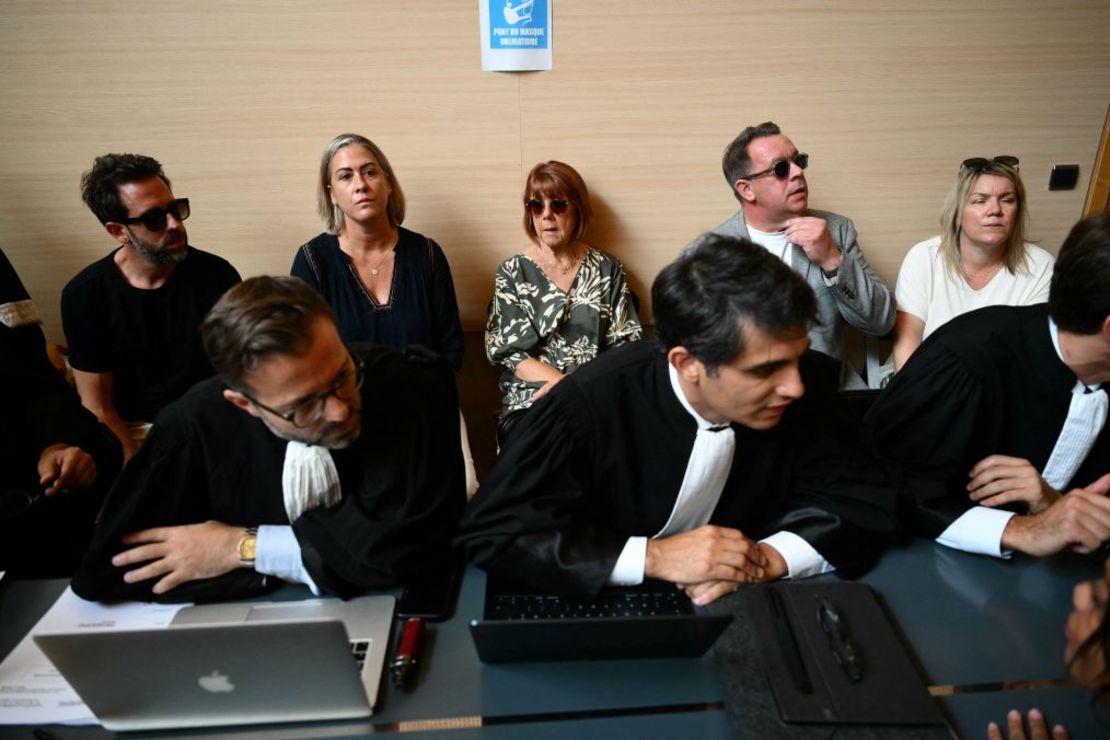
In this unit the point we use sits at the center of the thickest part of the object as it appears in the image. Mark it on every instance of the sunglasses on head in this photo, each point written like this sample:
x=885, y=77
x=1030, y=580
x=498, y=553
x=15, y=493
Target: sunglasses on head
x=155, y=218
x=558, y=206
x=781, y=168
x=980, y=163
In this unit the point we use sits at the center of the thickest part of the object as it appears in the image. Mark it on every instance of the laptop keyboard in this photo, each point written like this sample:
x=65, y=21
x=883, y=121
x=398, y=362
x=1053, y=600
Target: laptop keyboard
x=358, y=649
x=607, y=604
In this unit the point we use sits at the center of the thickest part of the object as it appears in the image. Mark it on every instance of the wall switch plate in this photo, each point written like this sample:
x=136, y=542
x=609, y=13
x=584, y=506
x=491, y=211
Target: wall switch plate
x=1063, y=177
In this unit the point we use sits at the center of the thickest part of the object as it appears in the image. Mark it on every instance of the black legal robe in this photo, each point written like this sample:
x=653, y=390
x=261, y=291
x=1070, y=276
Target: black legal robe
x=988, y=382
x=402, y=482
x=38, y=409
x=602, y=458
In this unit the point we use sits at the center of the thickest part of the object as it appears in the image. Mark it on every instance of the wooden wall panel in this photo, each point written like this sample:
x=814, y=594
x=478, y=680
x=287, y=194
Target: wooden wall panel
x=238, y=99
x=886, y=101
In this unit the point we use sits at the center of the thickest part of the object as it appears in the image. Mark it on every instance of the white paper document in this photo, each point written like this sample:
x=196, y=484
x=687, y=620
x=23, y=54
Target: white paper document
x=32, y=692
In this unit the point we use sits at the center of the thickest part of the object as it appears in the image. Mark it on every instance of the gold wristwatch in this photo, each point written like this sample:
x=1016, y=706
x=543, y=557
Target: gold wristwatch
x=247, y=546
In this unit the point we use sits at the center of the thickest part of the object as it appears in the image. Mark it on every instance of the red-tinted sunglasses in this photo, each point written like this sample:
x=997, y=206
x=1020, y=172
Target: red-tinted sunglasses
x=558, y=206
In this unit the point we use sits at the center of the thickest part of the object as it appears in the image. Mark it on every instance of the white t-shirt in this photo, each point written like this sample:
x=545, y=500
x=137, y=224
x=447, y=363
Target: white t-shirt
x=927, y=290
x=774, y=242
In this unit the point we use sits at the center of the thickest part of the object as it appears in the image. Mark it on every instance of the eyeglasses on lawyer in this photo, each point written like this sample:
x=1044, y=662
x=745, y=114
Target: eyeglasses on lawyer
x=311, y=410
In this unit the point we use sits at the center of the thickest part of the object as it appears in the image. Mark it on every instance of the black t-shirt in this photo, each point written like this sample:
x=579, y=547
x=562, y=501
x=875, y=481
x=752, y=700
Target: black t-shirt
x=147, y=339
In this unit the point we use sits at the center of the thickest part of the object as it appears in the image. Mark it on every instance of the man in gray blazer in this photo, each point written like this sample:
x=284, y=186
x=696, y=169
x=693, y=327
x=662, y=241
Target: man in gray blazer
x=766, y=173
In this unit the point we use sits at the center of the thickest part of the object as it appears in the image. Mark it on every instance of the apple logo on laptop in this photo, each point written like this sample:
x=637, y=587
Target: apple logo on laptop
x=216, y=683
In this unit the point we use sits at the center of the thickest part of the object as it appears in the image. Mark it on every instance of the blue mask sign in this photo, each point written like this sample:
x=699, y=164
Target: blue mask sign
x=516, y=34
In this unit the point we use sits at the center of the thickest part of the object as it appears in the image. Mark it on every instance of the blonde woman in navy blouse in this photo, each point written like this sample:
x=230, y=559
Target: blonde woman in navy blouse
x=386, y=284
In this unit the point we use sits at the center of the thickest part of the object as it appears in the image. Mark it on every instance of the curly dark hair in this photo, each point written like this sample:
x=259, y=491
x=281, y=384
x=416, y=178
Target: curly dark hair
x=100, y=185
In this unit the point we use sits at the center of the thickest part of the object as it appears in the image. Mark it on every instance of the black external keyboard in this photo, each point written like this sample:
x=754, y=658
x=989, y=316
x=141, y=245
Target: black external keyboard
x=358, y=649
x=608, y=604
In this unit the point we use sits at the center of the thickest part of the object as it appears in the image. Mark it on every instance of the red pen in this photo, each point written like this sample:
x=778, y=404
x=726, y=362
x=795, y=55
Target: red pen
x=403, y=667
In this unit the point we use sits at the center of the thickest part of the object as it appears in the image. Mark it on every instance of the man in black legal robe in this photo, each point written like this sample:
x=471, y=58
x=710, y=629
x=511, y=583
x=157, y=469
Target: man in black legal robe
x=304, y=460
x=1006, y=407
x=708, y=459
x=56, y=460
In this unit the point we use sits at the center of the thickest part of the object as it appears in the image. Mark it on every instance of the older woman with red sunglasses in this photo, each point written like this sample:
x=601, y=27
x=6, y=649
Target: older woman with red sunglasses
x=560, y=301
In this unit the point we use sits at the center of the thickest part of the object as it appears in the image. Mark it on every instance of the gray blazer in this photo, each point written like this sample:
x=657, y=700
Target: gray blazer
x=858, y=297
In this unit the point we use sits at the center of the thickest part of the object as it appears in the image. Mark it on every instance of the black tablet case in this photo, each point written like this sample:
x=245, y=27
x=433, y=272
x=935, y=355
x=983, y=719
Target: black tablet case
x=891, y=690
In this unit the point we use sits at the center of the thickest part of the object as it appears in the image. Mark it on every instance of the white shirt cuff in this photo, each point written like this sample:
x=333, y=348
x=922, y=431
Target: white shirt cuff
x=629, y=570
x=978, y=530
x=279, y=554
x=830, y=281
x=802, y=560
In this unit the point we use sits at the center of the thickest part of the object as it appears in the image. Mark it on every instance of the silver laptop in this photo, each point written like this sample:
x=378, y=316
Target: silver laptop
x=232, y=664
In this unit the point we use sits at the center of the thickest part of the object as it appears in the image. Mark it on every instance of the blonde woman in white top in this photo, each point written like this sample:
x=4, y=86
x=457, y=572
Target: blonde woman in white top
x=980, y=259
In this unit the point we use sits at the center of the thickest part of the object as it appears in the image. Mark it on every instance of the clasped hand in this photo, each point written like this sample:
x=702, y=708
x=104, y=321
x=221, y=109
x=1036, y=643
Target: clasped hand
x=1078, y=520
x=710, y=561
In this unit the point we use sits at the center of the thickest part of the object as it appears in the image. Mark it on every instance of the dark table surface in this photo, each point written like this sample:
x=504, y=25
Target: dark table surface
x=968, y=621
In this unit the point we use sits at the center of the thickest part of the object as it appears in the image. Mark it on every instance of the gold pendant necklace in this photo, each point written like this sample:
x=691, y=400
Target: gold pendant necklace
x=570, y=265
x=377, y=268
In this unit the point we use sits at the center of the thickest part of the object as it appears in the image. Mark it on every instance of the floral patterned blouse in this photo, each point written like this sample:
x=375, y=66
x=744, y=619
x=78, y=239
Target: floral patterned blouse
x=532, y=317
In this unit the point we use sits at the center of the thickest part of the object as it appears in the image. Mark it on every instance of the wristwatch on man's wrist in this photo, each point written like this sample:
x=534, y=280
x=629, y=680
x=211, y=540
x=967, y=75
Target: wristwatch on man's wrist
x=247, y=546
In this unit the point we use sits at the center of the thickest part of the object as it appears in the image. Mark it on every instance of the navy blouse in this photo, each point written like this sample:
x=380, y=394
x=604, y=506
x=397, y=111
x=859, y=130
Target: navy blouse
x=421, y=309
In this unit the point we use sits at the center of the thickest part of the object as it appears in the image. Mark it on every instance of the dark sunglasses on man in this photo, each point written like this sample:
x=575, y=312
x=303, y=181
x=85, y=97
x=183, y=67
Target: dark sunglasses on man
x=781, y=168
x=981, y=163
x=558, y=206
x=155, y=218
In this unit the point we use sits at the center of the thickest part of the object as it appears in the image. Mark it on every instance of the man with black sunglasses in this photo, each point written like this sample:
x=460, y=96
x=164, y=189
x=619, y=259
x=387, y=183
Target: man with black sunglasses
x=766, y=173
x=131, y=318
x=304, y=460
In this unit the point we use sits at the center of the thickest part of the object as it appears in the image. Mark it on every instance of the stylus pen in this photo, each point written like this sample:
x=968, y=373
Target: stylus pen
x=841, y=645
x=788, y=644
x=403, y=668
